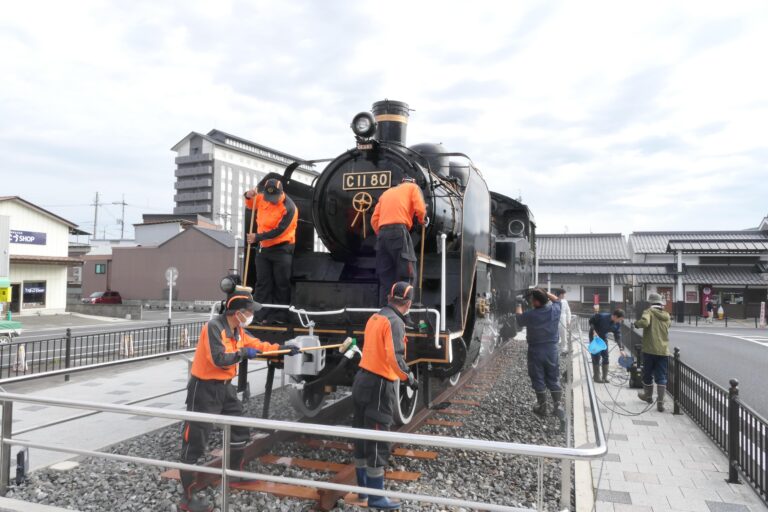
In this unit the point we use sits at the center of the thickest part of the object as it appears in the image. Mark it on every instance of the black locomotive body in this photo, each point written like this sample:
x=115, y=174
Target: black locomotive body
x=476, y=255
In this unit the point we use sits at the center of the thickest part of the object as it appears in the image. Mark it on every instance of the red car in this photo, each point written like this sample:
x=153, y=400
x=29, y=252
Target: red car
x=108, y=297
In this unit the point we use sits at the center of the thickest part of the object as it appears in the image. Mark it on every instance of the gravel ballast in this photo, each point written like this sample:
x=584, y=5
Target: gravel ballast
x=504, y=414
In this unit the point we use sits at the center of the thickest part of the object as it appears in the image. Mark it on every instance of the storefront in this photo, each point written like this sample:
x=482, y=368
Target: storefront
x=38, y=258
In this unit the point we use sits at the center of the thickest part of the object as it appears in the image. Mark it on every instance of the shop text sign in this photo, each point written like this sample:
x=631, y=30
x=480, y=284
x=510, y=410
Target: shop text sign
x=27, y=237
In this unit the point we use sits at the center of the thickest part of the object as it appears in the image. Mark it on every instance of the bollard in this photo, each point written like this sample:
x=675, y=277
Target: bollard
x=726, y=320
x=697, y=320
x=733, y=432
x=676, y=384
x=5, y=449
x=68, y=353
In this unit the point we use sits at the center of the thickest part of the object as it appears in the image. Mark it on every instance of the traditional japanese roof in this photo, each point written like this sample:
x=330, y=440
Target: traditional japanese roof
x=657, y=242
x=742, y=246
x=618, y=269
x=586, y=279
x=724, y=276
x=582, y=247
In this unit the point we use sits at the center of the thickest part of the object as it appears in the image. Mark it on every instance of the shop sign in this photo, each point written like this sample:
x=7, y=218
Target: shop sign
x=5, y=295
x=34, y=289
x=27, y=237
x=690, y=296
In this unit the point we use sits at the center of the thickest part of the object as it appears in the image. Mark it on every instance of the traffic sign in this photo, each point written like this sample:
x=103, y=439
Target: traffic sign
x=171, y=274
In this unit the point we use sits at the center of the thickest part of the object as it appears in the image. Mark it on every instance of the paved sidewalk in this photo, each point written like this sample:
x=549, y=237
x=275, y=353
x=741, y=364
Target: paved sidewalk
x=659, y=461
x=117, y=385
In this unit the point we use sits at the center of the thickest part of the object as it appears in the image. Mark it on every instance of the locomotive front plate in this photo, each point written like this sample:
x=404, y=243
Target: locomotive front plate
x=366, y=180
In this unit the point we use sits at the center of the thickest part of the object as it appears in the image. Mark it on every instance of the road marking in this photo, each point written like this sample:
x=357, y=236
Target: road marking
x=758, y=340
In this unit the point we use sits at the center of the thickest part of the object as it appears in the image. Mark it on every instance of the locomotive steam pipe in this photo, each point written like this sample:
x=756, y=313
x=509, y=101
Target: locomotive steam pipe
x=443, y=237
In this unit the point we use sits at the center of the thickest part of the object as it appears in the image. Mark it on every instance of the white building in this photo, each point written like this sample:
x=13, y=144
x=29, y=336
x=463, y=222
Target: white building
x=214, y=170
x=38, y=253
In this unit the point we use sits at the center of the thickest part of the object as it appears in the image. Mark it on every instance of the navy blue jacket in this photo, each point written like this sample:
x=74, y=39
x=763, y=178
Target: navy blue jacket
x=602, y=324
x=542, y=324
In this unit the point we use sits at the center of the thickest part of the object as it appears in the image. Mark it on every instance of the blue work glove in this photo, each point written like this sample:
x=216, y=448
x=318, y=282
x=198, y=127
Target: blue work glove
x=249, y=352
x=294, y=349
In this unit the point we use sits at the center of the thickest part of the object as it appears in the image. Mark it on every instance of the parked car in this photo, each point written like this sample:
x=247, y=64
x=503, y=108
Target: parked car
x=107, y=297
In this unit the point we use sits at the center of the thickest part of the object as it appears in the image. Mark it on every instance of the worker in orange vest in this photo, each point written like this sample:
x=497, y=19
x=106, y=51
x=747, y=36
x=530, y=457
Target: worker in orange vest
x=392, y=221
x=223, y=343
x=382, y=367
x=275, y=240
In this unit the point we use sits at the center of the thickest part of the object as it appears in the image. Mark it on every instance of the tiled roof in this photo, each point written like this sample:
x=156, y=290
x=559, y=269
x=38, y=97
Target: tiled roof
x=724, y=276
x=587, y=279
x=655, y=279
x=719, y=246
x=656, y=242
x=582, y=247
x=618, y=269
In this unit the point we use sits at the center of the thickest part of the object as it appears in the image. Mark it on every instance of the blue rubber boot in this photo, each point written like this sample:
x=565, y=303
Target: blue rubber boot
x=380, y=502
x=362, y=481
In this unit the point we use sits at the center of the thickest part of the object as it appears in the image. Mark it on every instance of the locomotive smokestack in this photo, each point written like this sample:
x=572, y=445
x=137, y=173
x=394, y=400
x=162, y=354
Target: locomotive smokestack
x=391, y=120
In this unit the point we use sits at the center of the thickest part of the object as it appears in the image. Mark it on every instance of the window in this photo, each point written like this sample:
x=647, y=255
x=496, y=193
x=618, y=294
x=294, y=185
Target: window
x=33, y=295
x=101, y=268
x=590, y=291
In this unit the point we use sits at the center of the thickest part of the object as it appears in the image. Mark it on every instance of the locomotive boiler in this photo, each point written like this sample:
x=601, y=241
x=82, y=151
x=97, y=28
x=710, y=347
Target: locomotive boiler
x=476, y=254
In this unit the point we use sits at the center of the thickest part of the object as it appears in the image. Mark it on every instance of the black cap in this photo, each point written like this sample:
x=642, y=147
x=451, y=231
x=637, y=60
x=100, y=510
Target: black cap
x=242, y=300
x=401, y=290
x=273, y=190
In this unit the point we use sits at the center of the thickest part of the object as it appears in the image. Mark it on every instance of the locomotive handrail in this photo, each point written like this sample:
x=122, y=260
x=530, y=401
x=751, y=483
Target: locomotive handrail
x=439, y=319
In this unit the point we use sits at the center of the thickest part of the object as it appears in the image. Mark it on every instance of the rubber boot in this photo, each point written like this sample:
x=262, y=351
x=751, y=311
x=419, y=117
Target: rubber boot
x=662, y=392
x=557, y=409
x=362, y=481
x=605, y=373
x=380, y=502
x=646, y=395
x=596, y=373
x=236, y=462
x=541, y=404
x=189, y=502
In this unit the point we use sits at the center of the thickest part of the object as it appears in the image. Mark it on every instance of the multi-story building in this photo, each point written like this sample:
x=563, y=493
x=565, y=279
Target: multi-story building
x=214, y=170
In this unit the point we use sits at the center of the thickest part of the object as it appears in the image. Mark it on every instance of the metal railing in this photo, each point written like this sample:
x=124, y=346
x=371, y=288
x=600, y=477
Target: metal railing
x=227, y=422
x=74, y=350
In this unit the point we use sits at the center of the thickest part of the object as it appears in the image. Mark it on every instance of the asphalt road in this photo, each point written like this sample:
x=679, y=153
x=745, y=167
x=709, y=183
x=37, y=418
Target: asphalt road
x=723, y=354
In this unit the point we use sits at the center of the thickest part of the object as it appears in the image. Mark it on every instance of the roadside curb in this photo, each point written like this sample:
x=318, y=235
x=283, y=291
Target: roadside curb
x=584, y=494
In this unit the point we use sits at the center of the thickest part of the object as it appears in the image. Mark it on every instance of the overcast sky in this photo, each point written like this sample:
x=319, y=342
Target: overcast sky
x=604, y=116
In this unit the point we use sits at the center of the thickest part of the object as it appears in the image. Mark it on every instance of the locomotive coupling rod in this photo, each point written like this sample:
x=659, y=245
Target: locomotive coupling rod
x=343, y=347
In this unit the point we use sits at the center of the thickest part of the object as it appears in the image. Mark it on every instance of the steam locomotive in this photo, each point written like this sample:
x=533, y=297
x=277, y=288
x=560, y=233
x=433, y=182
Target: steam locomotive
x=477, y=253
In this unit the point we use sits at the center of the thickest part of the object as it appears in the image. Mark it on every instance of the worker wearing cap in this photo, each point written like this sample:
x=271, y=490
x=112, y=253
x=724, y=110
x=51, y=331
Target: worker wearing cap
x=275, y=238
x=222, y=345
x=382, y=367
x=392, y=221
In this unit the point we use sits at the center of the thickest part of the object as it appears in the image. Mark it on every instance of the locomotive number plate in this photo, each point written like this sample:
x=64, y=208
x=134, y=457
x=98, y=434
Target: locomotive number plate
x=366, y=180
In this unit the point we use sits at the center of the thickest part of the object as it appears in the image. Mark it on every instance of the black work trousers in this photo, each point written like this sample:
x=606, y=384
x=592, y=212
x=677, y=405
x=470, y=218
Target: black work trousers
x=373, y=398
x=273, y=280
x=213, y=397
x=395, y=258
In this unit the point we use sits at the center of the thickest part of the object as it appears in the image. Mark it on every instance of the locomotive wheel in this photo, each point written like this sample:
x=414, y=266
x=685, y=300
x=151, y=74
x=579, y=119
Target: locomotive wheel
x=454, y=379
x=308, y=400
x=443, y=371
x=406, y=400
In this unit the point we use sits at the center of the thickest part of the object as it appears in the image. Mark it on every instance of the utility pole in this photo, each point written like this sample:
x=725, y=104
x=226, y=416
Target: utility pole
x=122, y=217
x=96, y=216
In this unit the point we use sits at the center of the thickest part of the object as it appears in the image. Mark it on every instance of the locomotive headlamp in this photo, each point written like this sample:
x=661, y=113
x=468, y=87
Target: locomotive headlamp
x=363, y=125
x=228, y=284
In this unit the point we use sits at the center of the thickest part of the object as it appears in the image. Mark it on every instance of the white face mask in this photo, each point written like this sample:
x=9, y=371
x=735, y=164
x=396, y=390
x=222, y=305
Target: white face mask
x=247, y=321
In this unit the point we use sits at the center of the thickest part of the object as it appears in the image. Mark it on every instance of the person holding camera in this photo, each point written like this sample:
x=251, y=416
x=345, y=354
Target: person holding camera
x=542, y=325
x=382, y=367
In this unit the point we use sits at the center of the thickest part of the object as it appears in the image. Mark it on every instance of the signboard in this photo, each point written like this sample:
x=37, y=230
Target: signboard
x=366, y=180
x=27, y=237
x=690, y=296
x=5, y=294
x=706, y=296
x=34, y=289
x=171, y=274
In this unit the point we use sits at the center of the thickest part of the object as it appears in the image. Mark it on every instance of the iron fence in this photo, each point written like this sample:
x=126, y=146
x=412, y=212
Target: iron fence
x=71, y=350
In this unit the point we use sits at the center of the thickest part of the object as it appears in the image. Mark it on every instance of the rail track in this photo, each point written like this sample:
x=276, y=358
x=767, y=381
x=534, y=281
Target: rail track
x=446, y=410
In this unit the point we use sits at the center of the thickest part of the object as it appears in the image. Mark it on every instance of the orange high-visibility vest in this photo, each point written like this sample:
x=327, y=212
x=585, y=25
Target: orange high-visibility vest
x=398, y=205
x=276, y=223
x=382, y=354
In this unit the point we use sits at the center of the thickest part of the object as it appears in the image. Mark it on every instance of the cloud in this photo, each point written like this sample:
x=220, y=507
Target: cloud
x=592, y=112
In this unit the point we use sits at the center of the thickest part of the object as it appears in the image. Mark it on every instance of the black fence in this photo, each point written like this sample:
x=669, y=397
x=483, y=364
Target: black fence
x=69, y=351
x=739, y=431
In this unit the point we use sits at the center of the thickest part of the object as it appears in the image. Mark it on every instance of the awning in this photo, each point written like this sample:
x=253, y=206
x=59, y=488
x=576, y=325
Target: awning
x=45, y=260
x=743, y=246
x=725, y=276
x=617, y=269
x=5, y=283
